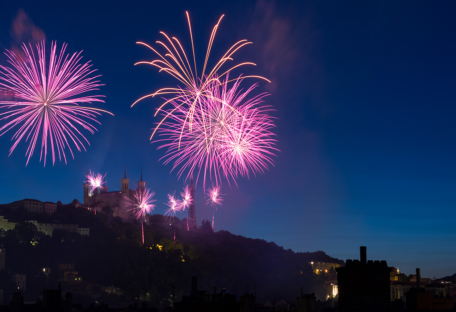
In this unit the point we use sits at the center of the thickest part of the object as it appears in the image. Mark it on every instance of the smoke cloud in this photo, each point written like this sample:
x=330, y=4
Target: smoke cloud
x=23, y=30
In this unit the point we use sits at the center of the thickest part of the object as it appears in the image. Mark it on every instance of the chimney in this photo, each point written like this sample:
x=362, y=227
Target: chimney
x=194, y=286
x=418, y=278
x=363, y=254
x=302, y=293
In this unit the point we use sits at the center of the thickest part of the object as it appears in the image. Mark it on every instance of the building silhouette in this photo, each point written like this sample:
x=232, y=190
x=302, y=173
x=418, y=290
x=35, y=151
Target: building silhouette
x=418, y=299
x=363, y=285
x=114, y=199
x=192, y=224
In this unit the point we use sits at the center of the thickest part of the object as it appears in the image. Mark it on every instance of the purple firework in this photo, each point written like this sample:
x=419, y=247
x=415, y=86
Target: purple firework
x=141, y=205
x=46, y=100
x=231, y=136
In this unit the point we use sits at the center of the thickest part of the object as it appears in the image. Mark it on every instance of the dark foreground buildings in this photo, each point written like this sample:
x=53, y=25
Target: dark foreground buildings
x=364, y=285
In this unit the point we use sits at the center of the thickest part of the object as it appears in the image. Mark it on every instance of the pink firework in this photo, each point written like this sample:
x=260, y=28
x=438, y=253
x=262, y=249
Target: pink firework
x=214, y=196
x=196, y=88
x=214, y=199
x=187, y=199
x=141, y=205
x=174, y=206
x=231, y=136
x=46, y=100
x=96, y=181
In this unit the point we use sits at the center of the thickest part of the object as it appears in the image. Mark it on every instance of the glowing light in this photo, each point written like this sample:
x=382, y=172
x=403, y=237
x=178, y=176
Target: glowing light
x=141, y=205
x=95, y=181
x=214, y=199
x=47, y=100
x=335, y=291
x=174, y=206
x=232, y=136
x=187, y=199
x=196, y=88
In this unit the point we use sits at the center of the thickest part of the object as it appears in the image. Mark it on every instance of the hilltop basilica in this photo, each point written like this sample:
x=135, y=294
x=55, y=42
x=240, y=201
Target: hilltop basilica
x=116, y=199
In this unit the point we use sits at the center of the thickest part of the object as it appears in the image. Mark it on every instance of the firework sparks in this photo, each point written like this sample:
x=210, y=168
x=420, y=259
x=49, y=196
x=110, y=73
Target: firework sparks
x=175, y=62
x=47, y=100
x=174, y=206
x=96, y=181
x=141, y=205
x=214, y=199
x=214, y=196
x=232, y=136
x=187, y=199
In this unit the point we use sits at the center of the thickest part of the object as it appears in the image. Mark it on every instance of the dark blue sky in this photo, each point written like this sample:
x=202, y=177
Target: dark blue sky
x=365, y=103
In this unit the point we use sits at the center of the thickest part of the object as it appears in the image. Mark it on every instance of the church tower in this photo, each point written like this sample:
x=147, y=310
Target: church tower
x=125, y=182
x=192, y=224
x=87, y=189
x=141, y=184
x=104, y=188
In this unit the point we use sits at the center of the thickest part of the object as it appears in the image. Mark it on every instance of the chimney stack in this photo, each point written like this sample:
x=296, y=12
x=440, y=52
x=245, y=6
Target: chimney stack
x=194, y=286
x=418, y=279
x=363, y=254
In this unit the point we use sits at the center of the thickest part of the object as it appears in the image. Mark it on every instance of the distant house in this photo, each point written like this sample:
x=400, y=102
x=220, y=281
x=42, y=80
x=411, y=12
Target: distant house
x=6, y=225
x=34, y=206
x=20, y=281
x=48, y=228
x=50, y=208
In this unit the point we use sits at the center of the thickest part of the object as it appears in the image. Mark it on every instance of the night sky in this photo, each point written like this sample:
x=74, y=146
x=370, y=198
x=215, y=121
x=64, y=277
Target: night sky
x=365, y=107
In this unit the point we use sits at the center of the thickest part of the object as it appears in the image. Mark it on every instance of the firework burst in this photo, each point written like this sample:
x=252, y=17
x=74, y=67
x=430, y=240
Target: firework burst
x=187, y=199
x=195, y=88
x=174, y=206
x=141, y=205
x=214, y=196
x=46, y=100
x=96, y=181
x=232, y=136
x=214, y=199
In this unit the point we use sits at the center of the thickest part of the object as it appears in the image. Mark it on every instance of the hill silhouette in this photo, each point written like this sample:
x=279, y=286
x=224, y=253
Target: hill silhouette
x=114, y=255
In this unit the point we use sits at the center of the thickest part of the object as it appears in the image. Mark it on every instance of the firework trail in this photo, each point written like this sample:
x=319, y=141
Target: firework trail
x=141, y=205
x=196, y=88
x=232, y=136
x=96, y=181
x=47, y=100
x=214, y=199
x=186, y=201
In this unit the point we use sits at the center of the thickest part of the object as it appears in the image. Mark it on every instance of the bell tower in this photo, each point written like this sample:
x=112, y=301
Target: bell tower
x=87, y=189
x=191, y=209
x=141, y=184
x=125, y=182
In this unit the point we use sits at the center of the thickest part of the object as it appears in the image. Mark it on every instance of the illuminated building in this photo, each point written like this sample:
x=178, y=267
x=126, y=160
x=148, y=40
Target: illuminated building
x=72, y=277
x=48, y=228
x=6, y=225
x=323, y=267
x=363, y=285
x=114, y=199
x=34, y=206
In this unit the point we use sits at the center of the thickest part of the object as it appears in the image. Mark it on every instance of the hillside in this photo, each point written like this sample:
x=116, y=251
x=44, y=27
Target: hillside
x=113, y=255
